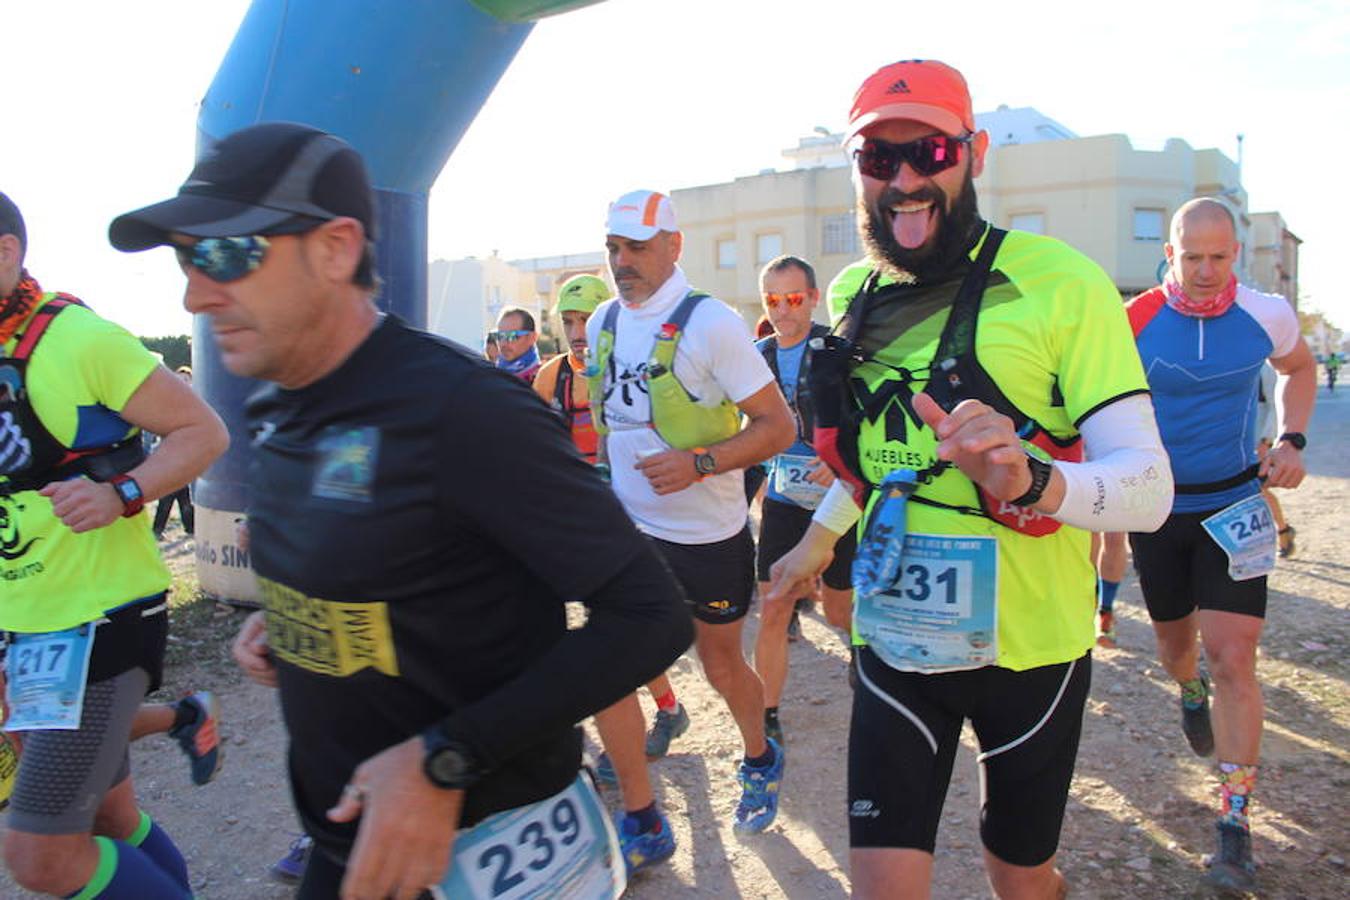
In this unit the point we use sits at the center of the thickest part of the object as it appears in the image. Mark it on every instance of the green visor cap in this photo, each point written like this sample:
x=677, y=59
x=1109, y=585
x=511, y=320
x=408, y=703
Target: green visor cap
x=582, y=293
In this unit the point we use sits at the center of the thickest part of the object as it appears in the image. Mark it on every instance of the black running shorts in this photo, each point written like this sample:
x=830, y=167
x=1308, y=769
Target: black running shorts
x=782, y=525
x=718, y=578
x=1181, y=570
x=903, y=739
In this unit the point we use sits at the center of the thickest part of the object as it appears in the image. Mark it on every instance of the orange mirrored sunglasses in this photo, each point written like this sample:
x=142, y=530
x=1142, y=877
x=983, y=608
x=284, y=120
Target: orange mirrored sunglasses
x=793, y=298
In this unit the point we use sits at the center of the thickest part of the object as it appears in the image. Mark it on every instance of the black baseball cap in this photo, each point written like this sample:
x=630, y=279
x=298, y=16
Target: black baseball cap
x=11, y=221
x=274, y=178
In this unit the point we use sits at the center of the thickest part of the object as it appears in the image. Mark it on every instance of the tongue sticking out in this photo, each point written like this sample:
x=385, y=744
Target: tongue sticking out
x=910, y=229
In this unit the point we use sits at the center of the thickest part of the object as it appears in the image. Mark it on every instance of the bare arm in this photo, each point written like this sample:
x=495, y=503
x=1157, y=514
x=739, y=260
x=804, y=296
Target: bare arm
x=1283, y=465
x=770, y=430
x=1300, y=387
x=192, y=436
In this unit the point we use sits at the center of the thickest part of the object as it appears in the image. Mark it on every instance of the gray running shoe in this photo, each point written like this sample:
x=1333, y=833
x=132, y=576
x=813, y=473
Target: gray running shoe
x=666, y=728
x=1286, y=539
x=1231, y=868
x=1196, y=726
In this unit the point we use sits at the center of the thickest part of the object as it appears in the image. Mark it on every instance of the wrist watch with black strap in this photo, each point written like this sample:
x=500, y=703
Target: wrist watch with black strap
x=1297, y=438
x=704, y=463
x=129, y=492
x=449, y=763
x=1040, y=478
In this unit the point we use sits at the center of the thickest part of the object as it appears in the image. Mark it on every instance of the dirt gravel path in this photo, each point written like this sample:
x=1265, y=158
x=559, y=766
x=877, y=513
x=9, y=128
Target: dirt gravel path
x=1140, y=815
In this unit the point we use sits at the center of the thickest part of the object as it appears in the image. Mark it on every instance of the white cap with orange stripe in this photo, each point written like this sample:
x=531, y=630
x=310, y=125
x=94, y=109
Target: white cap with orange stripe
x=639, y=215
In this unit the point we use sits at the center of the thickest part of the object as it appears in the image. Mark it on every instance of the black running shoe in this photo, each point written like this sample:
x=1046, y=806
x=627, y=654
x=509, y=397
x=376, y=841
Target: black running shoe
x=1196, y=726
x=1231, y=868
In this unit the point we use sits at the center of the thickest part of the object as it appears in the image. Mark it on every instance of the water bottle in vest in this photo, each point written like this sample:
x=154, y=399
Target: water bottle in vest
x=876, y=563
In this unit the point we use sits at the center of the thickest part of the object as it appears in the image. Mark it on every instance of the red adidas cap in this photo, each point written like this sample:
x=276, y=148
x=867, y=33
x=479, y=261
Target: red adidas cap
x=922, y=90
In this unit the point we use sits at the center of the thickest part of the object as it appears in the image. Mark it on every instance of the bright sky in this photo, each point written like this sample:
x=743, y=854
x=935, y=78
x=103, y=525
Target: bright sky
x=102, y=106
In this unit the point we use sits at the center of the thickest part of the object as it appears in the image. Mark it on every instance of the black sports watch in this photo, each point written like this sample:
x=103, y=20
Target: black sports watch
x=1040, y=477
x=704, y=463
x=1297, y=438
x=129, y=492
x=448, y=764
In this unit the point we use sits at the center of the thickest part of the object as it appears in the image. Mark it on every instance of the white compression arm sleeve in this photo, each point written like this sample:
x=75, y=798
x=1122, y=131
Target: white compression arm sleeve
x=837, y=511
x=1126, y=482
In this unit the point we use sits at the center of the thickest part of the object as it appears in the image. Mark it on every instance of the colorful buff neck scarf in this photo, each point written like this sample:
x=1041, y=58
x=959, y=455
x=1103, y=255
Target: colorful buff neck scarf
x=1204, y=309
x=522, y=365
x=15, y=308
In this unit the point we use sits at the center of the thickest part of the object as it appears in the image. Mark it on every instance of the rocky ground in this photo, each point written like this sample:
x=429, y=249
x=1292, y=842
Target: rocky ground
x=1140, y=816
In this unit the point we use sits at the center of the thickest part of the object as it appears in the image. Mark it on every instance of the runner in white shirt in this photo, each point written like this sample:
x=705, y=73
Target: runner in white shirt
x=680, y=476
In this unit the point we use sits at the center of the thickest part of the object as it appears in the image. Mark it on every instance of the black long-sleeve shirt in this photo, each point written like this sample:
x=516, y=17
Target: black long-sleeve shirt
x=418, y=521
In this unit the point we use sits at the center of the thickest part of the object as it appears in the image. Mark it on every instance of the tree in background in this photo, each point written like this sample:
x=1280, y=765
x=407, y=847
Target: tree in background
x=175, y=349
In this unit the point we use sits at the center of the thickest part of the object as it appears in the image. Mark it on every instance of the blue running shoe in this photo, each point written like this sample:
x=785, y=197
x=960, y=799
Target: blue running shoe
x=666, y=728
x=200, y=738
x=291, y=867
x=759, y=793
x=604, y=770
x=647, y=848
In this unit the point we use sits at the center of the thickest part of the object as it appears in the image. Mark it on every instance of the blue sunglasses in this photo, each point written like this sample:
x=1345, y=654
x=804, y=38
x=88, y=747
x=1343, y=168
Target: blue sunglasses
x=224, y=259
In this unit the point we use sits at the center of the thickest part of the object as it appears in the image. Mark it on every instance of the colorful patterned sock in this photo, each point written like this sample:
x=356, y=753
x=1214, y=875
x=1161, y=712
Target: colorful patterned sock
x=1194, y=693
x=125, y=873
x=1108, y=593
x=1236, y=783
x=152, y=840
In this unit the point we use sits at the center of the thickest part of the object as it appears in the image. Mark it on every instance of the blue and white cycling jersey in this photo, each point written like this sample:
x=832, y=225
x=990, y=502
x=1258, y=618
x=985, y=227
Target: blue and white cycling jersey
x=1203, y=374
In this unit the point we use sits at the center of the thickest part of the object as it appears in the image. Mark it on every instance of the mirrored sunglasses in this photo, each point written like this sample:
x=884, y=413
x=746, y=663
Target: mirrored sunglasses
x=927, y=156
x=512, y=335
x=223, y=259
x=792, y=298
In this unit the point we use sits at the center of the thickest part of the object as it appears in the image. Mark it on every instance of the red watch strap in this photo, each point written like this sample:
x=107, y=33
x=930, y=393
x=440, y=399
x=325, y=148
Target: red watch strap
x=129, y=507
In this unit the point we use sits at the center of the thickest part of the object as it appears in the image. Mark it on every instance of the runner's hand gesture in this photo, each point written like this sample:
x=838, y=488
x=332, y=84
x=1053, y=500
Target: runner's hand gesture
x=250, y=650
x=981, y=443
x=1283, y=466
x=407, y=825
x=83, y=505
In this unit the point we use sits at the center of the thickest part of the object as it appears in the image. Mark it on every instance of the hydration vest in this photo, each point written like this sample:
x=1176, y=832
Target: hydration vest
x=30, y=457
x=954, y=375
x=578, y=418
x=802, y=407
x=676, y=415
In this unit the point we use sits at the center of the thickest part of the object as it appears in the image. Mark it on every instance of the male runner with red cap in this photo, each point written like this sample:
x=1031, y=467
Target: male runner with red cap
x=974, y=593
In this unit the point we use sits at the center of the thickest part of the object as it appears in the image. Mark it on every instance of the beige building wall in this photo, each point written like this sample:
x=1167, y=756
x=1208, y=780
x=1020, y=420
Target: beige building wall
x=763, y=216
x=1099, y=194
x=1273, y=253
x=1106, y=198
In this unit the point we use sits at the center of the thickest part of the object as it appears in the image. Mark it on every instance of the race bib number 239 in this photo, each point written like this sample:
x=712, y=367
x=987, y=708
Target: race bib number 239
x=563, y=846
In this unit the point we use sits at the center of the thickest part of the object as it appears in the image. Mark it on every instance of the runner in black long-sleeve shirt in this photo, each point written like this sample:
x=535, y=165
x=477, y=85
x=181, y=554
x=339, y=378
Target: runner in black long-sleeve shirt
x=417, y=521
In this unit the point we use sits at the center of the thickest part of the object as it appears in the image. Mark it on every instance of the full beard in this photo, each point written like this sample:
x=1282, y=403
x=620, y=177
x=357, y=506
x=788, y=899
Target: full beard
x=956, y=230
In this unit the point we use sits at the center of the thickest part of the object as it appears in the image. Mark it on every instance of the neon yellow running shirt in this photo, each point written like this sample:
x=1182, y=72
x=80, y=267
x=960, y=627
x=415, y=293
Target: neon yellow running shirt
x=81, y=374
x=1053, y=336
